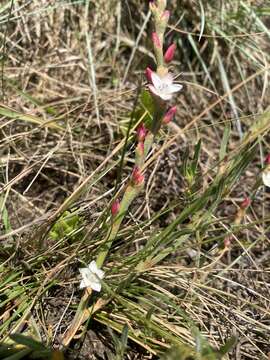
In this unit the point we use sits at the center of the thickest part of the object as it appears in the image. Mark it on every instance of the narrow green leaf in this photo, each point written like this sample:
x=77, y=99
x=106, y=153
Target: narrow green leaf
x=5, y=111
x=124, y=336
x=196, y=157
x=19, y=355
x=225, y=141
x=202, y=19
x=230, y=343
x=27, y=341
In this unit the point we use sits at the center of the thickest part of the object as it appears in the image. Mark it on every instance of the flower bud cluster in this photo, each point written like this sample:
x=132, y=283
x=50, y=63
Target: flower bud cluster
x=161, y=15
x=162, y=87
x=161, y=83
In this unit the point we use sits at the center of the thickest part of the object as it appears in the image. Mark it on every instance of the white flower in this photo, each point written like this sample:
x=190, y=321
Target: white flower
x=163, y=87
x=91, y=276
x=266, y=176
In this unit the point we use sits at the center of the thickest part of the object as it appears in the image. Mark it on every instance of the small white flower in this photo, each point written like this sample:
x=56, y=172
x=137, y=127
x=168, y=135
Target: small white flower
x=91, y=277
x=163, y=87
x=266, y=176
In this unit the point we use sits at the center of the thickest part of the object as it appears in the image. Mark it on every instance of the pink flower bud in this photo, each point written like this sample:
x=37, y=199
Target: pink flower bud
x=148, y=74
x=156, y=40
x=141, y=133
x=169, y=115
x=137, y=177
x=267, y=159
x=169, y=54
x=245, y=203
x=115, y=207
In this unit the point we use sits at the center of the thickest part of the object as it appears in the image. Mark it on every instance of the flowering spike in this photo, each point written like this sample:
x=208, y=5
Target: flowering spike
x=148, y=74
x=169, y=54
x=156, y=40
x=245, y=203
x=169, y=115
x=115, y=207
x=137, y=177
x=141, y=133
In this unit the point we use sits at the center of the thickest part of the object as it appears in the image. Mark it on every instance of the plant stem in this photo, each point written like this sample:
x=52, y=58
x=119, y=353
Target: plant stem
x=131, y=193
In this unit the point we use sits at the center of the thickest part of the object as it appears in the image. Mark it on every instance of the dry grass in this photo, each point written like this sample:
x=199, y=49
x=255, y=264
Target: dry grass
x=70, y=76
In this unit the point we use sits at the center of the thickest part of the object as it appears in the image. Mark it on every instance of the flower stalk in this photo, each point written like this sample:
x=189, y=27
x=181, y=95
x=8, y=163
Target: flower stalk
x=130, y=194
x=162, y=88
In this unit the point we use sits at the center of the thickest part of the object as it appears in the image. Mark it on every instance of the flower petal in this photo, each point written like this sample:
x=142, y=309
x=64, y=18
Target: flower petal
x=96, y=286
x=167, y=79
x=93, y=266
x=266, y=178
x=175, y=88
x=84, y=271
x=100, y=274
x=82, y=284
x=154, y=90
x=156, y=80
x=165, y=96
x=87, y=277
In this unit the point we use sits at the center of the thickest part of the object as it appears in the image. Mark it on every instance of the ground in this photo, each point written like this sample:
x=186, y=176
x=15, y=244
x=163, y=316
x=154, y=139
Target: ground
x=72, y=73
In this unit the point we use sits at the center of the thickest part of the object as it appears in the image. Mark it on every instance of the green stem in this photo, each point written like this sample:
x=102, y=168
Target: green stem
x=131, y=193
x=159, y=54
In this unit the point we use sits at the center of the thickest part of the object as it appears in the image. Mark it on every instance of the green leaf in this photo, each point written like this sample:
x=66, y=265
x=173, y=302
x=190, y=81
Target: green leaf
x=202, y=19
x=146, y=104
x=227, y=346
x=67, y=225
x=181, y=352
x=16, y=115
x=42, y=354
x=124, y=336
x=27, y=341
x=196, y=156
x=19, y=355
x=225, y=141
